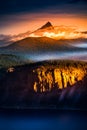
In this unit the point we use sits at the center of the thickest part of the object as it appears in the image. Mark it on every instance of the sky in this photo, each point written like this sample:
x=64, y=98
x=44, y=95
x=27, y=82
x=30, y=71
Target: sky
x=18, y=16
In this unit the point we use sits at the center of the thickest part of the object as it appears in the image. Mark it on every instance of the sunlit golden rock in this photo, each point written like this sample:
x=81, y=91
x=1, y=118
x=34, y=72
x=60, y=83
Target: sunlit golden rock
x=10, y=70
x=61, y=76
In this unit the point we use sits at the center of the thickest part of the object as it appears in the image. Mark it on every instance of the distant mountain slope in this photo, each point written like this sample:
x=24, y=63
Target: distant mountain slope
x=35, y=44
x=40, y=32
x=21, y=36
x=47, y=30
x=58, y=32
x=48, y=24
x=43, y=44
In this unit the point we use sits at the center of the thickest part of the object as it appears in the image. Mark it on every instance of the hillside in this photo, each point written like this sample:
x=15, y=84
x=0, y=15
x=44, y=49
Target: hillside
x=33, y=43
x=48, y=84
x=8, y=60
x=42, y=44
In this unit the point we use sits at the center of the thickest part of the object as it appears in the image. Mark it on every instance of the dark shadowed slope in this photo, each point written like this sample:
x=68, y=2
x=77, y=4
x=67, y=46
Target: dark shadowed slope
x=35, y=44
x=39, y=85
x=9, y=60
x=42, y=44
x=47, y=25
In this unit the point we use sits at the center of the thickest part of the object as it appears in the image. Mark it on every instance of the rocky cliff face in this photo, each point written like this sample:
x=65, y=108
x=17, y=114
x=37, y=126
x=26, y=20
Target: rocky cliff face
x=57, y=76
x=44, y=84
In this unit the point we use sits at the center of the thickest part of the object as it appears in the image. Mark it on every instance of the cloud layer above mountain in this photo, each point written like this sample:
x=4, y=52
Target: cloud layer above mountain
x=20, y=16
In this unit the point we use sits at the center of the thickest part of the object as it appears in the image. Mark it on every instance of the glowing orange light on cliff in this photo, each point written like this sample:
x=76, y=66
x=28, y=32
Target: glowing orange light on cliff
x=62, y=77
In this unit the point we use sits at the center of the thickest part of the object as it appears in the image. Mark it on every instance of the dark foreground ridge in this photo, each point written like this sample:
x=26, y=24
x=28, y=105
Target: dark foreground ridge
x=38, y=85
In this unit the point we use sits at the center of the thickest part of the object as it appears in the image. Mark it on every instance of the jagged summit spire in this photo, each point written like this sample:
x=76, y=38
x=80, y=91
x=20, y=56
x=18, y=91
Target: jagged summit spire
x=48, y=24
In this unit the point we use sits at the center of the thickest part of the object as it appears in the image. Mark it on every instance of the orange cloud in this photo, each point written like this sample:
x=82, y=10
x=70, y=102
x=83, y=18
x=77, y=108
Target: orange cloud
x=31, y=22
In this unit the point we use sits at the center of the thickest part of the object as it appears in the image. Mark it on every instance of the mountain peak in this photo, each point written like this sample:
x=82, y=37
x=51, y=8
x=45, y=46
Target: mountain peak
x=48, y=24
